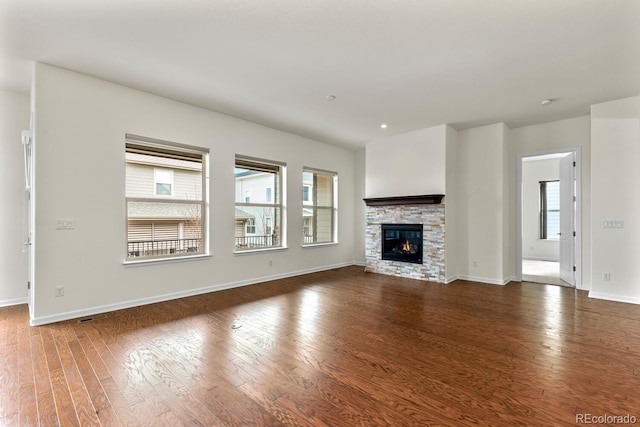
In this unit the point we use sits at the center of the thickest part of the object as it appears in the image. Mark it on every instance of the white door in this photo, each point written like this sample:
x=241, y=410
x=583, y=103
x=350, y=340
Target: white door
x=567, y=219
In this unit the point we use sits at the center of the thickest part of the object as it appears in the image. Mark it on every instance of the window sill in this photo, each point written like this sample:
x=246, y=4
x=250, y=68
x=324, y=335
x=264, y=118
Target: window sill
x=319, y=245
x=151, y=261
x=254, y=251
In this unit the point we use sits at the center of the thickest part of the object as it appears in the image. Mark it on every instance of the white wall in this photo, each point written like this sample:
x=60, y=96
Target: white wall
x=562, y=135
x=14, y=118
x=80, y=126
x=484, y=205
x=407, y=164
x=451, y=237
x=509, y=271
x=359, y=209
x=615, y=191
x=533, y=172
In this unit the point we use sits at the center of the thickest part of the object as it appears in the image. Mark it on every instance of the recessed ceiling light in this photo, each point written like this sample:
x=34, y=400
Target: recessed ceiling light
x=383, y=126
x=330, y=97
x=546, y=101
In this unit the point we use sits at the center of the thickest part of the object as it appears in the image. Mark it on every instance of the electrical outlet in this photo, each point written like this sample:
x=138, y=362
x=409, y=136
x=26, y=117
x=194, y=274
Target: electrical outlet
x=270, y=263
x=475, y=262
x=59, y=291
x=606, y=277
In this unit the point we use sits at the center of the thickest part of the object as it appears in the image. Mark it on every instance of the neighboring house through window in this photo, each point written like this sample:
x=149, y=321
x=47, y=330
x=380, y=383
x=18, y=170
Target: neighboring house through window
x=259, y=203
x=166, y=198
x=319, y=206
x=549, y=210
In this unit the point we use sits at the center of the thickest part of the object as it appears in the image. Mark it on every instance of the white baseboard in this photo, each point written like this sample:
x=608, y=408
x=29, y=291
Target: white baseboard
x=15, y=301
x=359, y=263
x=612, y=297
x=535, y=258
x=450, y=279
x=487, y=280
x=510, y=279
x=43, y=320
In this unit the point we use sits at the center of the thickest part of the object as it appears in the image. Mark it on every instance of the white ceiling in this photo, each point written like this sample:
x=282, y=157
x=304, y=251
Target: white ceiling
x=409, y=63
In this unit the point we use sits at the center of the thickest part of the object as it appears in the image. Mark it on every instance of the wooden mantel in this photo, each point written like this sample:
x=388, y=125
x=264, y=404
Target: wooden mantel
x=427, y=199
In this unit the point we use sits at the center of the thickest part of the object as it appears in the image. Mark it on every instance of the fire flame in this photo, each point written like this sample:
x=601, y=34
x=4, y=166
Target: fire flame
x=406, y=246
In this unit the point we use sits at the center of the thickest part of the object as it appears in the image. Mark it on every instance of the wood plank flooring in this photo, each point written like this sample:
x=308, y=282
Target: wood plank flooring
x=337, y=348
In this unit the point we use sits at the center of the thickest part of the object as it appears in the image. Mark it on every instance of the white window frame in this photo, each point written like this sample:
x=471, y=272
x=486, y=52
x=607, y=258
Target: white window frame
x=312, y=204
x=278, y=202
x=152, y=145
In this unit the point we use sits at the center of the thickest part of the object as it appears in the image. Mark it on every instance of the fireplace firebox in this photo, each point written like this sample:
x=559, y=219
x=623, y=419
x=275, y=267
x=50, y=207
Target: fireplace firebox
x=402, y=242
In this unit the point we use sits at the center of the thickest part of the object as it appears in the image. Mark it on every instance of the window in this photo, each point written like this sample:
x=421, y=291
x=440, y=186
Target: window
x=251, y=226
x=319, y=211
x=166, y=198
x=164, y=181
x=263, y=219
x=549, y=210
x=306, y=194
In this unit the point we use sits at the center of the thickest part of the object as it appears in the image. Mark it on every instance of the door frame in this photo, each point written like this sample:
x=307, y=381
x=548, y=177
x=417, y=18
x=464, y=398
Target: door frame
x=578, y=214
x=29, y=249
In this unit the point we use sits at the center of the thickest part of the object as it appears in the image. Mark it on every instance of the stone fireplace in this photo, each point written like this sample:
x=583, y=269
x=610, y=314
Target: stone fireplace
x=405, y=237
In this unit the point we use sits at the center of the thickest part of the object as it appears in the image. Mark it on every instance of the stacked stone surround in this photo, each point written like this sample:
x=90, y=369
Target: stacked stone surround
x=432, y=219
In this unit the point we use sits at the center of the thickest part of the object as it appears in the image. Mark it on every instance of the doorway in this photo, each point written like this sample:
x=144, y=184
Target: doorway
x=542, y=271
x=548, y=218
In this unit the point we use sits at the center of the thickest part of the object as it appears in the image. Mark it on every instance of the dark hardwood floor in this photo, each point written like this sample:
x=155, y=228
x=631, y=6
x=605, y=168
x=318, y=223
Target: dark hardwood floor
x=337, y=348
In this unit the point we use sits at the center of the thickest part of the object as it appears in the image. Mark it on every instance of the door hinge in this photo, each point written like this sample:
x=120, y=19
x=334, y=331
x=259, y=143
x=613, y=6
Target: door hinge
x=574, y=268
x=28, y=285
x=574, y=234
x=574, y=164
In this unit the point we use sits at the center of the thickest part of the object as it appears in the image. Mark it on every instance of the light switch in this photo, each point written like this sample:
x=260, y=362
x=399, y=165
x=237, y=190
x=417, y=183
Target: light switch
x=65, y=224
x=613, y=224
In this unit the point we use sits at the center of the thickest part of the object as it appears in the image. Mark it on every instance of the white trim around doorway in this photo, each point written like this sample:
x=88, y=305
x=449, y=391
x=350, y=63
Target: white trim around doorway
x=578, y=224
